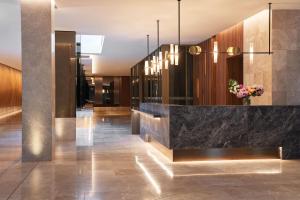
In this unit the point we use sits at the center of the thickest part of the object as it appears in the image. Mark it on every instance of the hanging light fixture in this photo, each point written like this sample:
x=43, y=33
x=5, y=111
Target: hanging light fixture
x=154, y=64
x=147, y=68
x=174, y=49
x=251, y=51
x=195, y=50
x=233, y=51
x=159, y=61
x=166, y=60
x=215, y=52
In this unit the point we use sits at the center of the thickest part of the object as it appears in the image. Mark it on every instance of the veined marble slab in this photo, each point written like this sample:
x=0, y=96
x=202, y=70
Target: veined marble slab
x=206, y=127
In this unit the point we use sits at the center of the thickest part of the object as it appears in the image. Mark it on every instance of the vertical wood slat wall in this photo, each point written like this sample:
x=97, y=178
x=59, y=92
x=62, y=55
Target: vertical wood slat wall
x=10, y=89
x=210, y=79
x=125, y=91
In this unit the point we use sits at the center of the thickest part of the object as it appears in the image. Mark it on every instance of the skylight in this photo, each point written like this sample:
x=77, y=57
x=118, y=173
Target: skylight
x=91, y=44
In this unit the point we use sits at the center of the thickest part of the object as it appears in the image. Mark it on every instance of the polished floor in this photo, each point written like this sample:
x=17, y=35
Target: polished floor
x=108, y=163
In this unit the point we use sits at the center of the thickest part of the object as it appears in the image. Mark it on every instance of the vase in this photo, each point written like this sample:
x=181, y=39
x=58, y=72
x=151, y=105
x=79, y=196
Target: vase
x=247, y=101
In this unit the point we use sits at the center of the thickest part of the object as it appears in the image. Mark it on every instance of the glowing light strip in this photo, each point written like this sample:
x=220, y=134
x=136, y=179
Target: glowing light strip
x=231, y=174
x=162, y=165
x=251, y=50
x=90, y=135
x=10, y=114
x=225, y=161
x=148, y=175
x=147, y=114
x=159, y=152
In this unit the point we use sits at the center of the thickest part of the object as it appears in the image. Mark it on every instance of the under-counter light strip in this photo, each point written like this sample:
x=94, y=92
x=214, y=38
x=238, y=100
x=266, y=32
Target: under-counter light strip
x=225, y=161
x=147, y=114
x=161, y=164
x=232, y=174
x=148, y=175
x=173, y=175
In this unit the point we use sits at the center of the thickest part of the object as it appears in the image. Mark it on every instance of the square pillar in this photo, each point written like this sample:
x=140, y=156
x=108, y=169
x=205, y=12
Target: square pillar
x=38, y=79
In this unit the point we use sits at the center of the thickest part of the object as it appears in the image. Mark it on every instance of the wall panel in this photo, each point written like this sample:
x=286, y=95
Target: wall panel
x=10, y=89
x=65, y=74
x=125, y=91
x=258, y=69
x=211, y=79
x=286, y=59
x=232, y=37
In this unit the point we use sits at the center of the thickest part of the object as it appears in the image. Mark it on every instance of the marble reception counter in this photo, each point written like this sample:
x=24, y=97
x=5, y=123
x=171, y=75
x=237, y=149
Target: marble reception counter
x=201, y=132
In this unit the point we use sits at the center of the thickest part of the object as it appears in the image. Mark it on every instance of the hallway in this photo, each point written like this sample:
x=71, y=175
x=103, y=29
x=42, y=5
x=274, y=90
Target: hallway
x=108, y=163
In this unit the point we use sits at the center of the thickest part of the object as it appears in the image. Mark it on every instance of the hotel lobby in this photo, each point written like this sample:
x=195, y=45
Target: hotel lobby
x=152, y=100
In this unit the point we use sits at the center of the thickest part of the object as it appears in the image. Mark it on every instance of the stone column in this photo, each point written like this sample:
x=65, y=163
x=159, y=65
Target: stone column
x=38, y=79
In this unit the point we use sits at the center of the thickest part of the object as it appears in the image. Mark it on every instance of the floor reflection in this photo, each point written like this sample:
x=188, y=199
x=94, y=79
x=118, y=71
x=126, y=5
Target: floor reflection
x=85, y=129
x=107, y=162
x=213, y=168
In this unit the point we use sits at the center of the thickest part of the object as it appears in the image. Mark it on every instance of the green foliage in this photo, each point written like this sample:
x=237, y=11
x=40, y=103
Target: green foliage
x=233, y=86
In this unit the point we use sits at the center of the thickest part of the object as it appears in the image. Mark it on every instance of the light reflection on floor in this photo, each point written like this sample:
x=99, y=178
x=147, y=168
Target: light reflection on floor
x=107, y=162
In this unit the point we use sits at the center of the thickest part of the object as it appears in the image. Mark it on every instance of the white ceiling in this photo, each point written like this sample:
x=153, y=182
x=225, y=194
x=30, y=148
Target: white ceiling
x=125, y=24
x=10, y=33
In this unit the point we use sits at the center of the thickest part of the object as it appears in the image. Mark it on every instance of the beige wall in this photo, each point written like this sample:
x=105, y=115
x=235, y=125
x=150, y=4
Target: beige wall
x=258, y=72
x=279, y=73
x=286, y=58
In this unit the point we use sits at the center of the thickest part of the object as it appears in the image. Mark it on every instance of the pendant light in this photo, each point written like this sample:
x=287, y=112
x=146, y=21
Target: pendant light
x=159, y=57
x=174, y=49
x=147, y=68
x=215, y=52
x=251, y=54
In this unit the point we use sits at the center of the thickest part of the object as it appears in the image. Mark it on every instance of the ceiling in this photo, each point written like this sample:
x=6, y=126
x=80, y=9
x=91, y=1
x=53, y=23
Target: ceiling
x=10, y=33
x=125, y=24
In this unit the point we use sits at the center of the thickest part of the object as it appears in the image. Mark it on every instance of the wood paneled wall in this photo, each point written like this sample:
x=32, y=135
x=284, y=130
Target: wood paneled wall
x=65, y=74
x=10, y=89
x=232, y=37
x=205, y=75
x=125, y=91
x=121, y=95
x=210, y=79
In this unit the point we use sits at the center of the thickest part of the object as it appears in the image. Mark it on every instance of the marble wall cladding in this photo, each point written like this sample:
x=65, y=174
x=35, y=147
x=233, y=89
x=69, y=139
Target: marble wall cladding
x=37, y=80
x=157, y=128
x=135, y=123
x=207, y=127
x=280, y=72
x=258, y=68
x=236, y=127
x=286, y=59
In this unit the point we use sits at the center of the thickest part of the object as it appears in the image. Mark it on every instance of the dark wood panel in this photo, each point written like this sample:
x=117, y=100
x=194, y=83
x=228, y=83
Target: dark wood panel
x=65, y=74
x=205, y=75
x=10, y=89
x=228, y=38
x=210, y=79
x=125, y=91
x=235, y=71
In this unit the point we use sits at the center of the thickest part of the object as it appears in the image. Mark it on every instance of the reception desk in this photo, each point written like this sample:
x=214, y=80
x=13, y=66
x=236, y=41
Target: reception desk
x=185, y=133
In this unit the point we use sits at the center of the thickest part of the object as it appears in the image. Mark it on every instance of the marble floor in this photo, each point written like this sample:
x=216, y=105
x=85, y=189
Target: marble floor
x=108, y=163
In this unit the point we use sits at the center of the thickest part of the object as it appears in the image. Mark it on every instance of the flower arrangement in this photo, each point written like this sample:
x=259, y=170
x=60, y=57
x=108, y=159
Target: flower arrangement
x=244, y=92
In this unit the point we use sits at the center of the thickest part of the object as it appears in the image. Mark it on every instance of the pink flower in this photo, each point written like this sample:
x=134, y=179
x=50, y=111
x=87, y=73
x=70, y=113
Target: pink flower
x=242, y=93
